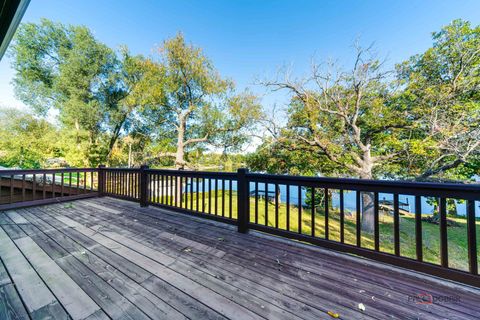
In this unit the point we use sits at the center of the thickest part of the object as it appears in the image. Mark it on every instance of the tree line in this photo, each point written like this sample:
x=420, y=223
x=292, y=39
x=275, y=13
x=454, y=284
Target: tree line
x=419, y=120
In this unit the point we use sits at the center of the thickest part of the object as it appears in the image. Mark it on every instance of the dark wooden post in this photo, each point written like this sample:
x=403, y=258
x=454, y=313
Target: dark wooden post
x=143, y=186
x=101, y=180
x=472, y=237
x=242, y=200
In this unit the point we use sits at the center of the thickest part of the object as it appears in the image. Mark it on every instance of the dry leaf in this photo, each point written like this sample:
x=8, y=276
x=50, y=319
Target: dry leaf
x=333, y=314
x=361, y=306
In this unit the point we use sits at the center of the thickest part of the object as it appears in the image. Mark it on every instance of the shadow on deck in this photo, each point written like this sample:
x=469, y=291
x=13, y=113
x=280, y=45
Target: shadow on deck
x=106, y=258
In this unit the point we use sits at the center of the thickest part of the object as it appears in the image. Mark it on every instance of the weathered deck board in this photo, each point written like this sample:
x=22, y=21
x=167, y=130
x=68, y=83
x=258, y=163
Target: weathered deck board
x=298, y=257
x=39, y=300
x=76, y=302
x=365, y=288
x=401, y=313
x=11, y=306
x=269, y=287
x=174, y=297
x=127, y=262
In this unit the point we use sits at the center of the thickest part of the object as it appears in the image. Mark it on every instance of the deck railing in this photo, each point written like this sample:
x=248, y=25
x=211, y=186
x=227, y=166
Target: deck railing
x=35, y=187
x=407, y=224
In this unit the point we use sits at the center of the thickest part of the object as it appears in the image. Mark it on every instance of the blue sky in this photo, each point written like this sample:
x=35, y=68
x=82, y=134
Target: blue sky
x=250, y=39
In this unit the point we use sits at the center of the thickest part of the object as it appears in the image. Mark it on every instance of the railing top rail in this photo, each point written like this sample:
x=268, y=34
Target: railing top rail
x=199, y=174
x=121, y=169
x=452, y=190
x=10, y=172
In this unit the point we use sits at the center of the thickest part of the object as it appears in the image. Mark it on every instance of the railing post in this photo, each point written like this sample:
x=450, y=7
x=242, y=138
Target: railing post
x=143, y=186
x=242, y=200
x=101, y=180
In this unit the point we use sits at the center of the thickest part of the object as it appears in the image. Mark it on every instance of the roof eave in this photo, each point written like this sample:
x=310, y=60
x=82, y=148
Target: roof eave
x=11, y=15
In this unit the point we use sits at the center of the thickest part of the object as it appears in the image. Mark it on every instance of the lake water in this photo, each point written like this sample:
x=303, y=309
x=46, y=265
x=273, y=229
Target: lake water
x=349, y=197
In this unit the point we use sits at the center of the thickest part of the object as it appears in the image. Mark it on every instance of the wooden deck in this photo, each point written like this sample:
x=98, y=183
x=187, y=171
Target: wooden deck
x=105, y=258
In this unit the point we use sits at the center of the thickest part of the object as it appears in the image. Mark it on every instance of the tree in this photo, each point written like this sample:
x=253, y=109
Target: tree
x=187, y=105
x=348, y=117
x=442, y=88
x=26, y=141
x=65, y=68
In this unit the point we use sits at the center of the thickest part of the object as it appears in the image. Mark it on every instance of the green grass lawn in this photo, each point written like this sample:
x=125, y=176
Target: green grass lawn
x=457, y=236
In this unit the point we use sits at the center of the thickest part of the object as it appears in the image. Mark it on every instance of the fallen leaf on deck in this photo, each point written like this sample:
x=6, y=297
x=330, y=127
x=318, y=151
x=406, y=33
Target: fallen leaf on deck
x=361, y=306
x=333, y=314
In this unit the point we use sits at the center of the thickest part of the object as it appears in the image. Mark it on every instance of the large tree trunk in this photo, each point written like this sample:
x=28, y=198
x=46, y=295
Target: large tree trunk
x=368, y=212
x=180, y=159
x=367, y=198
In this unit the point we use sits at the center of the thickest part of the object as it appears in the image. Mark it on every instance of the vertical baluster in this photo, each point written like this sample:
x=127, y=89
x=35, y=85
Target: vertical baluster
x=172, y=190
x=163, y=192
x=12, y=177
x=216, y=196
x=312, y=213
x=122, y=183
x=203, y=195
x=443, y=233
x=288, y=206
x=125, y=184
x=266, y=204
x=61, y=185
x=342, y=217
x=396, y=224
x=156, y=186
x=358, y=221
x=191, y=193
x=69, y=183
x=230, y=199
x=209, y=195
x=300, y=209
x=256, y=202
x=136, y=185
x=131, y=186
x=119, y=182
x=53, y=185
x=34, y=186
x=23, y=187
x=152, y=182
x=472, y=237
x=186, y=192
x=197, y=197
x=157, y=200
x=376, y=222
x=84, y=181
x=44, y=191
x=167, y=190
x=128, y=184
x=91, y=181
x=277, y=195
x=223, y=197
x=78, y=183
x=326, y=214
